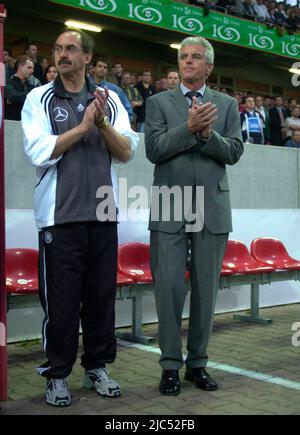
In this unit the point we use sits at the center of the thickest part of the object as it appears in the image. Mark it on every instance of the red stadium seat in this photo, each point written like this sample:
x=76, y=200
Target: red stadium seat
x=238, y=259
x=273, y=252
x=226, y=272
x=134, y=262
x=22, y=271
x=123, y=280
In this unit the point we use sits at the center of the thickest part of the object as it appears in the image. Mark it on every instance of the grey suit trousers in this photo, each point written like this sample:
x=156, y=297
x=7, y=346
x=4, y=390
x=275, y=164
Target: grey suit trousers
x=168, y=265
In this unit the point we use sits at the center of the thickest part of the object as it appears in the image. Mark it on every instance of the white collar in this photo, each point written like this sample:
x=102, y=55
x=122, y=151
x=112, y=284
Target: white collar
x=185, y=89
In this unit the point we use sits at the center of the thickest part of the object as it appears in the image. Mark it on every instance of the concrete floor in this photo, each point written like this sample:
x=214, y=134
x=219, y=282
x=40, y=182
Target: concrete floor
x=257, y=368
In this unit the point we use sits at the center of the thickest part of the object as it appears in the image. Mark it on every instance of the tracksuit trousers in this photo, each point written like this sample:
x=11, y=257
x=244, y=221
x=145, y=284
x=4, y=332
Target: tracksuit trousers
x=77, y=280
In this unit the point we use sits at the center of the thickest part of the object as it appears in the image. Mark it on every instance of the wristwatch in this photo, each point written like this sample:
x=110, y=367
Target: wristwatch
x=105, y=121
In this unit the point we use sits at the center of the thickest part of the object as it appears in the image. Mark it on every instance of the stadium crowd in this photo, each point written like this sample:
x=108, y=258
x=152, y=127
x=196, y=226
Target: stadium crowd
x=264, y=119
x=270, y=12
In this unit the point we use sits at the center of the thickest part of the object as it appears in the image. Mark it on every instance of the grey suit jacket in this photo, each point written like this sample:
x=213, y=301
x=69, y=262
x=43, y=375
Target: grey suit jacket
x=182, y=159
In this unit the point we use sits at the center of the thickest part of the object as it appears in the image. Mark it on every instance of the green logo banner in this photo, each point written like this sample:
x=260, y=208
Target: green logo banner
x=178, y=17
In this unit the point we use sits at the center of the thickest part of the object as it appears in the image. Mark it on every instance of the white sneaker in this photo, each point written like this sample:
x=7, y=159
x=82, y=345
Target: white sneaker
x=57, y=393
x=102, y=382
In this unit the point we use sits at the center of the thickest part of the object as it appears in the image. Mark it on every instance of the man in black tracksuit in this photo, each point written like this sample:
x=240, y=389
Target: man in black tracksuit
x=72, y=132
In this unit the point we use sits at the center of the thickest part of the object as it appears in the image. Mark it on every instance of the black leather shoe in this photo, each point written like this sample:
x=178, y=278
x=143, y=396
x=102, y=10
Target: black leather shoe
x=170, y=383
x=201, y=379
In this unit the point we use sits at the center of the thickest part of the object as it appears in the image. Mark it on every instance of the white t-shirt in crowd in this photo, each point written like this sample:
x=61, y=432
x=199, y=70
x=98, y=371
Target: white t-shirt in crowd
x=291, y=121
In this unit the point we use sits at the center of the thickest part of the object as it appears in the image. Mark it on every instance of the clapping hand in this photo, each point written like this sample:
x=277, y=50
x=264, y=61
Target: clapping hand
x=201, y=117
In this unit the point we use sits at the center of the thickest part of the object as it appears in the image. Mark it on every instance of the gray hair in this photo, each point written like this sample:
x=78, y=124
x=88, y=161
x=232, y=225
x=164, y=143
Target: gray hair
x=198, y=40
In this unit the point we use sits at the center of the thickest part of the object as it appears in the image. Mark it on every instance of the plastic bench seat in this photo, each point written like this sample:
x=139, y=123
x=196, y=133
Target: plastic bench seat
x=123, y=280
x=238, y=259
x=21, y=271
x=273, y=252
x=134, y=262
x=226, y=272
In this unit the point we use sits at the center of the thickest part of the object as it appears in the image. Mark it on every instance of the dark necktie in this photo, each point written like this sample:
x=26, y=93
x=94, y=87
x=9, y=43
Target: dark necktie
x=191, y=95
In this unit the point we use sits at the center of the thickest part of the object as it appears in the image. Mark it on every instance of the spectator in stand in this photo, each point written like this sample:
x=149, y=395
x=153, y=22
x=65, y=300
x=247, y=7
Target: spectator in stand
x=292, y=123
x=286, y=105
x=239, y=7
x=173, y=79
x=37, y=77
x=17, y=88
x=224, y=91
x=206, y=5
x=259, y=107
x=292, y=103
x=294, y=142
x=288, y=10
x=248, y=9
x=252, y=123
x=280, y=14
x=132, y=94
x=278, y=114
x=9, y=64
x=294, y=19
x=116, y=74
x=133, y=80
x=99, y=79
x=157, y=85
x=146, y=90
x=272, y=12
x=269, y=102
x=44, y=64
x=229, y=6
x=163, y=84
x=50, y=74
x=261, y=10
x=139, y=78
x=239, y=98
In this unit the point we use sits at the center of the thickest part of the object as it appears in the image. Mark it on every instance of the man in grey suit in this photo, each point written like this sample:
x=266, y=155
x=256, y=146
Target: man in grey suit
x=191, y=132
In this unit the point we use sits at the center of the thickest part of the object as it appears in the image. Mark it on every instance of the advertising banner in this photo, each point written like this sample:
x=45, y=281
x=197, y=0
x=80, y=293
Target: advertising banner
x=178, y=17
